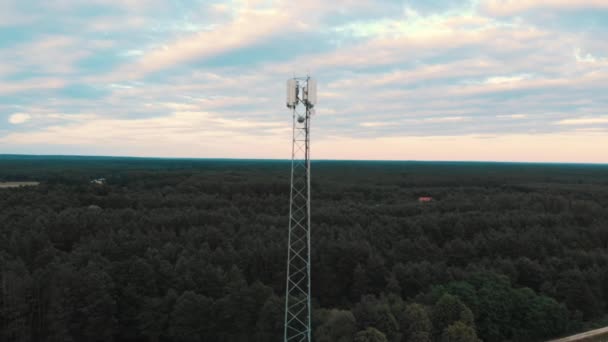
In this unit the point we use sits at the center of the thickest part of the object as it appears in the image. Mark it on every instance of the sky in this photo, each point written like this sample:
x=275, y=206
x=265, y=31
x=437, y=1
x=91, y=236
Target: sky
x=495, y=80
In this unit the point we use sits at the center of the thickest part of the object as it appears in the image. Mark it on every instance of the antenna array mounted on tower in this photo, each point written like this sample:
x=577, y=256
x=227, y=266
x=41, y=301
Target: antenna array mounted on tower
x=301, y=98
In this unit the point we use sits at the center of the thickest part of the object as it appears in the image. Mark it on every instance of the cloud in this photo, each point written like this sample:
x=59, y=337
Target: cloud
x=83, y=91
x=448, y=119
x=512, y=116
x=243, y=24
x=182, y=135
x=374, y=124
x=19, y=118
x=513, y=7
x=506, y=79
x=93, y=129
x=7, y=88
x=584, y=121
x=171, y=78
x=251, y=23
x=573, y=147
x=589, y=58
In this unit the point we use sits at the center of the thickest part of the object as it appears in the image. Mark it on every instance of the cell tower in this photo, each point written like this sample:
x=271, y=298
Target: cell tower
x=301, y=99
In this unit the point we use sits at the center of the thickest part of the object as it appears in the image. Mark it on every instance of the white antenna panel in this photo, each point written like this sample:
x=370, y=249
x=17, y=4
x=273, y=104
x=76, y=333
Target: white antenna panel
x=292, y=93
x=311, y=94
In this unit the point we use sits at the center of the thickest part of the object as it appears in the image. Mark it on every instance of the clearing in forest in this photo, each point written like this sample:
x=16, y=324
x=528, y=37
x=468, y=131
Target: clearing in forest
x=17, y=184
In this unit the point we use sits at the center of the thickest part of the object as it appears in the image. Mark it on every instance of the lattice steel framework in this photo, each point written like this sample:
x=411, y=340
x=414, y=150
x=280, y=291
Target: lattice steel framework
x=297, y=299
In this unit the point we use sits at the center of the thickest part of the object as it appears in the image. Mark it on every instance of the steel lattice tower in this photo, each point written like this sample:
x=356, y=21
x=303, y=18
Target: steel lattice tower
x=301, y=98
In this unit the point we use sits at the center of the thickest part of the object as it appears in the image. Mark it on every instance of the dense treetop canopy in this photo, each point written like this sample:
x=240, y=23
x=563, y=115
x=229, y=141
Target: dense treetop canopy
x=194, y=250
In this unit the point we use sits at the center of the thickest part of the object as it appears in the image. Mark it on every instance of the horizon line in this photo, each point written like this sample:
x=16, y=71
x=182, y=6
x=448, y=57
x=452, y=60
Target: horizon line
x=312, y=160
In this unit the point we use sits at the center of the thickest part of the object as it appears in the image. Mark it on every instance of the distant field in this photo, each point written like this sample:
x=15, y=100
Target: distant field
x=17, y=184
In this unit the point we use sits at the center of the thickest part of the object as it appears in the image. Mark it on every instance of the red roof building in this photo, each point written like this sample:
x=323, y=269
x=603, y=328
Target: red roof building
x=425, y=199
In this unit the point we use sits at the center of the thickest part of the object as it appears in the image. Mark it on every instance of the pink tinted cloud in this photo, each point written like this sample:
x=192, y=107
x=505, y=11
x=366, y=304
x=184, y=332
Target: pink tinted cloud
x=251, y=22
x=177, y=137
x=514, y=7
x=10, y=16
x=582, y=147
x=412, y=47
x=247, y=28
x=31, y=84
x=52, y=54
x=127, y=5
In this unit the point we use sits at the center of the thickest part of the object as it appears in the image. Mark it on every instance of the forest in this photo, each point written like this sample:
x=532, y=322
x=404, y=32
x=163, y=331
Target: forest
x=195, y=250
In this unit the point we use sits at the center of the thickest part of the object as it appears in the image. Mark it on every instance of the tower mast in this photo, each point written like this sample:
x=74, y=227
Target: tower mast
x=301, y=98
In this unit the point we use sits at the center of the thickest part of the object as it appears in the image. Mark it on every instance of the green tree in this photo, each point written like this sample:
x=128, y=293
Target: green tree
x=459, y=332
x=156, y=314
x=577, y=294
x=338, y=326
x=360, y=285
x=15, y=288
x=536, y=317
x=370, y=335
x=191, y=319
x=416, y=324
x=392, y=285
x=496, y=305
x=269, y=326
x=448, y=310
x=89, y=294
x=375, y=312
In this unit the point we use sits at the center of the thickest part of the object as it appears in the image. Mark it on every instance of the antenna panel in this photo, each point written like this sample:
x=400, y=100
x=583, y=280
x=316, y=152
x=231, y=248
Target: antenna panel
x=311, y=94
x=292, y=93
